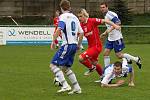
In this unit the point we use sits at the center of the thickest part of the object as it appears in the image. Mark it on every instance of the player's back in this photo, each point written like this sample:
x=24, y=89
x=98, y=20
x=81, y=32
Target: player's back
x=71, y=28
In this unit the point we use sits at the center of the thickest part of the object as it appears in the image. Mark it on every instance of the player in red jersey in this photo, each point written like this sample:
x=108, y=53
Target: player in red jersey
x=56, y=19
x=89, y=58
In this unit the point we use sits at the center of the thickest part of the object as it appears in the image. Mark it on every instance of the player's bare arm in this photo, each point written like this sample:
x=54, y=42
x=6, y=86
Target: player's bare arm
x=113, y=26
x=80, y=39
x=117, y=84
x=131, y=78
x=116, y=26
x=58, y=31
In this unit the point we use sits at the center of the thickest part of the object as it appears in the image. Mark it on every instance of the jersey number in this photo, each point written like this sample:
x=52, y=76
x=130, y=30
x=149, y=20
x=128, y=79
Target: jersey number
x=73, y=27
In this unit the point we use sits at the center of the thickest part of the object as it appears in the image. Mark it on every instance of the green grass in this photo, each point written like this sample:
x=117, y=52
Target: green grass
x=134, y=35
x=25, y=75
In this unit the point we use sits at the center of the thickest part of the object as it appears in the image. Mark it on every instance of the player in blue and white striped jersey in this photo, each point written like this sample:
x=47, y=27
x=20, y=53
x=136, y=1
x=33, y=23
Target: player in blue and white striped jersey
x=115, y=38
x=70, y=29
x=118, y=69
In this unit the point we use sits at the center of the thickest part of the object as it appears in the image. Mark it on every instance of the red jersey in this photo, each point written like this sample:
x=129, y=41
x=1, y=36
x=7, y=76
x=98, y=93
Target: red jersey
x=91, y=32
x=56, y=19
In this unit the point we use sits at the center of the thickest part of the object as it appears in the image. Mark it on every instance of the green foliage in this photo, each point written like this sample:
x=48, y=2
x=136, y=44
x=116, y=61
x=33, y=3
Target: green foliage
x=123, y=12
x=141, y=19
x=134, y=35
x=27, y=20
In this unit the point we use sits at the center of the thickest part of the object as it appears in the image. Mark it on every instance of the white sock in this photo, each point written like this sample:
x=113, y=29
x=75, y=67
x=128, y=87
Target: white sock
x=73, y=79
x=106, y=60
x=59, y=74
x=81, y=46
x=124, y=62
x=130, y=57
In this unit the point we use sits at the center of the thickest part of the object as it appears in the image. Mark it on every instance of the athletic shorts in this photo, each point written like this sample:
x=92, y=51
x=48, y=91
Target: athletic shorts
x=117, y=45
x=65, y=55
x=92, y=53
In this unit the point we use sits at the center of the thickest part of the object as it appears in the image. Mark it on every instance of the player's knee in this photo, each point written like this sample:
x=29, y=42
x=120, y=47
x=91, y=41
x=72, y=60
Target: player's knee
x=106, y=54
x=81, y=58
x=51, y=65
x=65, y=69
x=119, y=55
x=95, y=63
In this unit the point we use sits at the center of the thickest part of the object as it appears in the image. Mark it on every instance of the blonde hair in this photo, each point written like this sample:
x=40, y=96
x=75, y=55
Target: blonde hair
x=83, y=12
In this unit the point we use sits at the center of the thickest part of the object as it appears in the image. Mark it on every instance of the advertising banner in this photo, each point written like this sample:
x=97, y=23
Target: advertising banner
x=28, y=35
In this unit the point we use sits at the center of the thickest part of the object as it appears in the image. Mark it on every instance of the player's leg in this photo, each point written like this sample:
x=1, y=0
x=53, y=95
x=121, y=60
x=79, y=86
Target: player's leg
x=59, y=74
x=57, y=43
x=85, y=61
x=99, y=69
x=119, y=46
x=72, y=77
x=92, y=54
x=70, y=74
x=57, y=60
x=108, y=48
x=94, y=59
x=81, y=47
x=107, y=57
x=136, y=59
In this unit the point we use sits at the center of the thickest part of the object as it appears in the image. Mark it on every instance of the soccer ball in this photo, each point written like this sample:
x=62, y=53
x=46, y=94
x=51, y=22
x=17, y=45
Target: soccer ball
x=57, y=82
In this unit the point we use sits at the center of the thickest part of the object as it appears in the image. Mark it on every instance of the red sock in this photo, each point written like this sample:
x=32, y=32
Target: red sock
x=87, y=63
x=56, y=41
x=99, y=69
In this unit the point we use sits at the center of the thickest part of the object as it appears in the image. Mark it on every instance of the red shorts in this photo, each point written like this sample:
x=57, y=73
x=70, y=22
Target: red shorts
x=92, y=53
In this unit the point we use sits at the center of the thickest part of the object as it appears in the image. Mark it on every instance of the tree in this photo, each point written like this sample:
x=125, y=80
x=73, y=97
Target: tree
x=123, y=12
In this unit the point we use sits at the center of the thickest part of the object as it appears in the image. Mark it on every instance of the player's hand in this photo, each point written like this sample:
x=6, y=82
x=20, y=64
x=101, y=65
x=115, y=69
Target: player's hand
x=117, y=27
x=120, y=82
x=103, y=36
x=53, y=45
x=131, y=84
x=78, y=47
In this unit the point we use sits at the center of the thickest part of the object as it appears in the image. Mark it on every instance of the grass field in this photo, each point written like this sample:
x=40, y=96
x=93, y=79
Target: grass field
x=25, y=75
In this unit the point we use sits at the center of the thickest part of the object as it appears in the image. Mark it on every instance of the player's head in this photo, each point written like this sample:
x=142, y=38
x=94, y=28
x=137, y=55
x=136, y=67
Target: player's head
x=117, y=67
x=82, y=15
x=104, y=7
x=65, y=5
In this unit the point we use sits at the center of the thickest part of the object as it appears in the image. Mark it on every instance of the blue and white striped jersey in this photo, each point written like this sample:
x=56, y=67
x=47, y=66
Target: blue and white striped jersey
x=70, y=26
x=114, y=34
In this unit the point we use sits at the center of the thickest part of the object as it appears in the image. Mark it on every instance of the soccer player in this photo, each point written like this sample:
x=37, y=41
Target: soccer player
x=89, y=58
x=56, y=19
x=115, y=38
x=118, y=69
x=70, y=27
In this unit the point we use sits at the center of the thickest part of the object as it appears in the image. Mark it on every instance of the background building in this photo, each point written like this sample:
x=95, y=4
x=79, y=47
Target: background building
x=48, y=7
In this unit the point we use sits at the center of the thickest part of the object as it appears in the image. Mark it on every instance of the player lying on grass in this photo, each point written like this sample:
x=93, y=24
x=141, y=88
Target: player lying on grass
x=118, y=69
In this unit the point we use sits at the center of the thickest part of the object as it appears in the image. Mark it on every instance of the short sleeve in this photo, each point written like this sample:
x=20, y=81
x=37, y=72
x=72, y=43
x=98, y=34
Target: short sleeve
x=61, y=23
x=113, y=17
x=80, y=30
x=96, y=21
x=107, y=78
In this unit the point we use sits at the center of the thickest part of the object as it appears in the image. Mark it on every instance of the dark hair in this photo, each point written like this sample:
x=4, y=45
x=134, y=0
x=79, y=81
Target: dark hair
x=65, y=5
x=117, y=64
x=104, y=3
